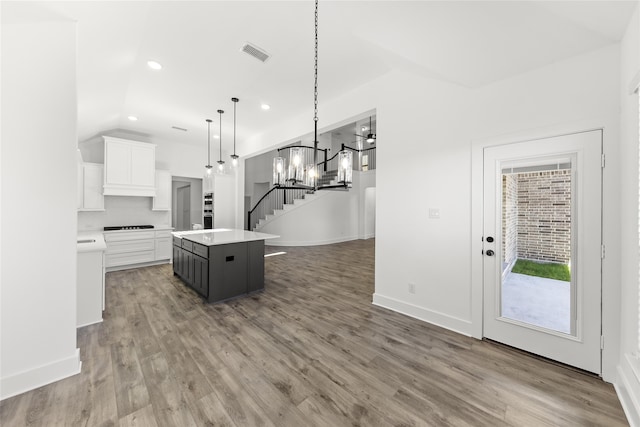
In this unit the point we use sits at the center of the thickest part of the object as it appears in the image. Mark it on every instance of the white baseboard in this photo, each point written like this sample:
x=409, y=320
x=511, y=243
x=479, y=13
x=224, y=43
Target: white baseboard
x=142, y=264
x=40, y=376
x=90, y=323
x=278, y=242
x=628, y=388
x=452, y=323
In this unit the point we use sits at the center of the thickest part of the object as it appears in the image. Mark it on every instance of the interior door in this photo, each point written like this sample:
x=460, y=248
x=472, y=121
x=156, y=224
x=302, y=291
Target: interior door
x=542, y=207
x=186, y=207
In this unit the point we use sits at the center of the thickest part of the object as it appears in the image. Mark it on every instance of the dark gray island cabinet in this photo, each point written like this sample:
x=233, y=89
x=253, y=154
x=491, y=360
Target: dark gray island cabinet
x=220, y=264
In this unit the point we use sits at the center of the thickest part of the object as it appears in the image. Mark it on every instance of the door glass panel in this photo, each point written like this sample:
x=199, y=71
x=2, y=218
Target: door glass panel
x=536, y=245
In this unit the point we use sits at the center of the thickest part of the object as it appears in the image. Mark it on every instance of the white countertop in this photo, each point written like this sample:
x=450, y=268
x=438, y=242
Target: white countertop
x=222, y=236
x=91, y=241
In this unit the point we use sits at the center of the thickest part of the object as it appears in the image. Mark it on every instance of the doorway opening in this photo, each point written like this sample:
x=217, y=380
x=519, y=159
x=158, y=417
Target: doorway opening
x=187, y=200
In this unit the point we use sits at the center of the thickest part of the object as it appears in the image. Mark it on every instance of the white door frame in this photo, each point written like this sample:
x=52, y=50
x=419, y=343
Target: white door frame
x=610, y=280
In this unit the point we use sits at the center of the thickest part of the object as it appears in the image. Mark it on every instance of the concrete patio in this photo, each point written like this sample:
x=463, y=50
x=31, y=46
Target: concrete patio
x=537, y=301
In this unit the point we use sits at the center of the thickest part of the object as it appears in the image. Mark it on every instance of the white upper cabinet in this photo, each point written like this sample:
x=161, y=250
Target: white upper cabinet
x=130, y=168
x=91, y=198
x=162, y=201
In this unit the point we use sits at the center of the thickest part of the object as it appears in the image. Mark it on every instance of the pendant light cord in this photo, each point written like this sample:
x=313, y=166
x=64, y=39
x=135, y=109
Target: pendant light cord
x=315, y=70
x=235, y=103
x=315, y=104
x=220, y=161
x=208, y=142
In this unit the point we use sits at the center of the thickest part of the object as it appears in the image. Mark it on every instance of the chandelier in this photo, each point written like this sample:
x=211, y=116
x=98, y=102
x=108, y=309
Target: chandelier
x=301, y=175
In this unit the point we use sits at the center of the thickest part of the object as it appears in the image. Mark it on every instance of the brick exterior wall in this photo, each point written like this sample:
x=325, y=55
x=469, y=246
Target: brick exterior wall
x=509, y=219
x=544, y=216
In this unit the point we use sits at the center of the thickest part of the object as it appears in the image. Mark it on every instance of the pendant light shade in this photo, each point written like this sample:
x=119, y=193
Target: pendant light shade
x=278, y=172
x=207, y=181
x=221, y=168
x=310, y=175
x=345, y=167
x=234, y=156
x=296, y=167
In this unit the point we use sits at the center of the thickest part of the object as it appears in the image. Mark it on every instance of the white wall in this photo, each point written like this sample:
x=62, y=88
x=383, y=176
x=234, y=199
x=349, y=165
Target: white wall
x=258, y=169
x=628, y=385
x=124, y=210
x=434, y=167
x=330, y=218
x=366, y=204
x=38, y=225
x=224, y=201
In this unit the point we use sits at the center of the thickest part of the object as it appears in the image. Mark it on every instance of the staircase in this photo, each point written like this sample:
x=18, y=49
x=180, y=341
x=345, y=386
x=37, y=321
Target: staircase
x=298, y=201
x=328, y=178
x=279, y=200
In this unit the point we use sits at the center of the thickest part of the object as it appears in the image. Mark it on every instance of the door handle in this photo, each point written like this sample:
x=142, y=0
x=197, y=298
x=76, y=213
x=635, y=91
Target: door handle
x=490, y=252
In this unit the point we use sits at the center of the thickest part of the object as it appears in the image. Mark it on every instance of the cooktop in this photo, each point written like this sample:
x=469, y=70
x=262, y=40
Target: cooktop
x=127, y=227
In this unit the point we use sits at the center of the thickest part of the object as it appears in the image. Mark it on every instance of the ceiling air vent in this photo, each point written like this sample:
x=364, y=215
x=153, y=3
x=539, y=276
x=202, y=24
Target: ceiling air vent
x=178, y=128
x=255, y=51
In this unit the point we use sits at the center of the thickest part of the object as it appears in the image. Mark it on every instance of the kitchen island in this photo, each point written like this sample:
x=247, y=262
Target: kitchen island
x=222, y=263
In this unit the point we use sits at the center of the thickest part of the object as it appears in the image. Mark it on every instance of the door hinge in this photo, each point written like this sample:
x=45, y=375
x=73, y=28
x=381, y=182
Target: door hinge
x=602, y=160
x=601, y=342
x=602, y=251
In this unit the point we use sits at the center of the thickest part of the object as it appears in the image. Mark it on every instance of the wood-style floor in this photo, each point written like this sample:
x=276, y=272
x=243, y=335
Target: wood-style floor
x=311, y=350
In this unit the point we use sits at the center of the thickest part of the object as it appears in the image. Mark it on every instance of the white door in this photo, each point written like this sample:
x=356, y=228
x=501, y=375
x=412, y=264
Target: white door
x=542, y=211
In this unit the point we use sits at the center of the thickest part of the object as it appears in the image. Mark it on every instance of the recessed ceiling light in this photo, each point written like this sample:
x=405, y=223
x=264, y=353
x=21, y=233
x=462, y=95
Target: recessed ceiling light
x=154, y=65
x=266, y=106
x=133, y=118
x=364, y=128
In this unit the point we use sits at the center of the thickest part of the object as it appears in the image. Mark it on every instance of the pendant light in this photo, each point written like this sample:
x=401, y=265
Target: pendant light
x=234, y=156
x=220, y=161
x=208, y=172
x=306, y=176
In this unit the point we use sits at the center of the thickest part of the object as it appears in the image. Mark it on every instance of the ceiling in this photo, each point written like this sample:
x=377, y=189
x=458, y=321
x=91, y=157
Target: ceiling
x=198, y=43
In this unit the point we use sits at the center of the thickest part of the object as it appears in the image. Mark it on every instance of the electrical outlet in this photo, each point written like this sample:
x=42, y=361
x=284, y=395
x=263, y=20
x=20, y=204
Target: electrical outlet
x=412, y=288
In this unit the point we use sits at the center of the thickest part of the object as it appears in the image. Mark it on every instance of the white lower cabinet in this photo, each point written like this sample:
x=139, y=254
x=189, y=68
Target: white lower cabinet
x=90, y=288
x=129, y=248
x=163, y=245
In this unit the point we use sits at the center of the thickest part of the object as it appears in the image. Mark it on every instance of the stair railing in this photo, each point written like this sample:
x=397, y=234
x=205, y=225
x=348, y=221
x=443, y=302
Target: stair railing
x=329, y=164
x=273, y=199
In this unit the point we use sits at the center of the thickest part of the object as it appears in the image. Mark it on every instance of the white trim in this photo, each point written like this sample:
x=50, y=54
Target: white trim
x=446, y=321
x=278, y=242
x=40, y=376
x=90, y=323
x=627, y=388
x=138, y=265
x=634, y=86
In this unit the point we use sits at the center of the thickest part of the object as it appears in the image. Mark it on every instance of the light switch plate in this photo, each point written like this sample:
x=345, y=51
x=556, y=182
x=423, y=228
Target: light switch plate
x=434, y=213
